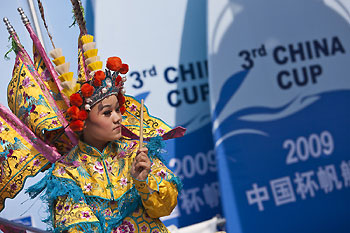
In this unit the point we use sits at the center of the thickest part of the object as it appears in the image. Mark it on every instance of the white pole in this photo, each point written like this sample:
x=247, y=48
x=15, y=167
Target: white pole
x=36, y=23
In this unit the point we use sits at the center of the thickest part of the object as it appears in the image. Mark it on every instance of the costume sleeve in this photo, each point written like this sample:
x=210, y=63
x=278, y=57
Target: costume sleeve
x=70, y=216
x=159, y=191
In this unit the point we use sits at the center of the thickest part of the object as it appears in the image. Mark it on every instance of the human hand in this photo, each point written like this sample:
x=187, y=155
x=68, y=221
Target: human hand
x=141, y=165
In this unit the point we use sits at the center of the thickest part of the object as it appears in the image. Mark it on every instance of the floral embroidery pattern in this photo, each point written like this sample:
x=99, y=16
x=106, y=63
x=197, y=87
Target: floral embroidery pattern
x=133, y=108
x=61, y=171
x=67, y=207
x=26, y=82
x=88, y=187
x=36, y=162
x=59, y=207
x=122, y=154
x=108, y=212
x=98, y=167
x=144, y=228
x=162, y=173
x=22, y=159
x=123, y=181
x=14, y=186
x=160, y=131
x=125, y=227
x=43, y=114
x=83, y=158
x=85, y=214
x=108, y=167
x=11, y=92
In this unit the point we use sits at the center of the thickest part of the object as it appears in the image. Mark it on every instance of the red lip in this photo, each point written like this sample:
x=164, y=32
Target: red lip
x=118, y=127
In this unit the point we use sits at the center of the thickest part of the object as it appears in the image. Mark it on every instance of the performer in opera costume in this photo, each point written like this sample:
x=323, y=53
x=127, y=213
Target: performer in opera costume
x=88, y=136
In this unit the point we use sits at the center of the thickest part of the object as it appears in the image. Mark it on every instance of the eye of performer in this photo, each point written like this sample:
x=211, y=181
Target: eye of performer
x=109, y=112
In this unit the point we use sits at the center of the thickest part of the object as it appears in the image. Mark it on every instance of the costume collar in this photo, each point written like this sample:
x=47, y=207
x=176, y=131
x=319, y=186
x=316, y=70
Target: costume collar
x=110, y=148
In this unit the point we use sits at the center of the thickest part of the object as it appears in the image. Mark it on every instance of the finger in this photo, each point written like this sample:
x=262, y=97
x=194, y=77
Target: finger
x=133, y=165
x=143, y=149
x=142, y=158
x=143, y=175
x=142, y=166
x=132, y=171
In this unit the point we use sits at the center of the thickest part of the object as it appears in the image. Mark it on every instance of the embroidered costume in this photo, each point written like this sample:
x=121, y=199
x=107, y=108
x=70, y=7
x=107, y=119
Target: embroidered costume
x=86, y=190
x=97, y=192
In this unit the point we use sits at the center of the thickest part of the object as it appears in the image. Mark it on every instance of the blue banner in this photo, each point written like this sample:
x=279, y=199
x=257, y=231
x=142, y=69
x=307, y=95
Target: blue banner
x=279, y=84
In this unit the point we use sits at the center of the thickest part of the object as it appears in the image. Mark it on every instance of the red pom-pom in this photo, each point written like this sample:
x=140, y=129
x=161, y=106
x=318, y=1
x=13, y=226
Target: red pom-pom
x=97, y=82
x=122, y=109
x=87, y=90
x=73, y=112
x=100, y=75
x=117, y=80
x=121, y=98
x=77, y=125
x=75, y=99
x=83, y=115
x=124, y=69
x=114, y=63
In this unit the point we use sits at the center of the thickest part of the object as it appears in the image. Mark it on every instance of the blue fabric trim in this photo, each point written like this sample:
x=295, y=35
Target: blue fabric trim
x=52, y=187
x=39, y=63
x=55, y=187
x=177, y=181
x=155, y=146
x=145, y=180
x=161, y=179
x=43, y=121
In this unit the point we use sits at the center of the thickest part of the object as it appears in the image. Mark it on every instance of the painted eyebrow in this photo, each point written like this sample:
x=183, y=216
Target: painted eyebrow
x=101, y=107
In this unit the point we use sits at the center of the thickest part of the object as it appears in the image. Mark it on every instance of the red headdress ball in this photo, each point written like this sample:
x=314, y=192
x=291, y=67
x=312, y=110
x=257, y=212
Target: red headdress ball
x=98, y=78
x=87, y=90
x=114, y=63
x=76, y=100
x=121, y=99
x=83, y=115
x=122, y=109
x=117, y=80
x=100, y=75
x=77, y=125
x=124, y=69
x=73, y=112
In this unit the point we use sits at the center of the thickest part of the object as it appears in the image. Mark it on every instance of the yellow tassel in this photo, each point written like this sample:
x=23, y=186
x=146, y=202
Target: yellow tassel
x=69, y=91
x=87, y=39
x=97, y=65
x=63, y=68
x=91, y=53
x=59, y=61
x=66, y=77
x=57, y=52
x=92, y=60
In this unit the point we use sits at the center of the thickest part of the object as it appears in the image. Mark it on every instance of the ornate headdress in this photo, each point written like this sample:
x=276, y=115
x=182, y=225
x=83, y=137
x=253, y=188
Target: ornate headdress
x=48, y=104
x=99, y=86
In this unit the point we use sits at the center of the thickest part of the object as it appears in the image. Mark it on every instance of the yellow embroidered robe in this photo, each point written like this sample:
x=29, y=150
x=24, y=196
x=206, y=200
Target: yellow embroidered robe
x=98, y=194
